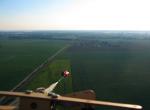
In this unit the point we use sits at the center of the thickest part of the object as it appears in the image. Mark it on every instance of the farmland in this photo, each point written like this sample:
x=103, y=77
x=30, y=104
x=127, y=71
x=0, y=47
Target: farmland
x=114, y=64
x=20, y=57
x=116, y=73
x=51, y=74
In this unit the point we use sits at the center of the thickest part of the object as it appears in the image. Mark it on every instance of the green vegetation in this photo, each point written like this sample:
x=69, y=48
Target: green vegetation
x=114, y=65
x=50, y=74
x=118, y=74
x=20, y=57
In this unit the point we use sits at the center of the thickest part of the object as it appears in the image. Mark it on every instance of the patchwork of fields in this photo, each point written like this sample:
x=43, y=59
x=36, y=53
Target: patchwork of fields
x=20, y=57
x=117, y=69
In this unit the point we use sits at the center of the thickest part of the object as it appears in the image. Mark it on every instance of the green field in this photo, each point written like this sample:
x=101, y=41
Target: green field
x=20, y=57
x=51, y=74
x=117, y=69
x=119, y=74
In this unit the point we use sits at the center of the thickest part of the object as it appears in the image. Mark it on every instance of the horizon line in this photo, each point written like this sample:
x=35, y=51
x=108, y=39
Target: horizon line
x=26, y=30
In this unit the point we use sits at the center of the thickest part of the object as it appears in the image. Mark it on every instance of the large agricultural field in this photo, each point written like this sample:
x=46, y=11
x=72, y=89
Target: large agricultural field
x=20, y=57
x=114, y=64
x=117, y=70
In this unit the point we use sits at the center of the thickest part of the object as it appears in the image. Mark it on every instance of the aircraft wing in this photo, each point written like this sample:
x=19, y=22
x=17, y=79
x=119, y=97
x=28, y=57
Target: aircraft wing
x=70, y=100
x=98, y=103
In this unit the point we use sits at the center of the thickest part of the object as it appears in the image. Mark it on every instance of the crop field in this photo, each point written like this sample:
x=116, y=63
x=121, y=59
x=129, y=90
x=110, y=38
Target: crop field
x=51, y=74
x=114, y=65
x=20, y=57
x=119, y=73
x=116, y=70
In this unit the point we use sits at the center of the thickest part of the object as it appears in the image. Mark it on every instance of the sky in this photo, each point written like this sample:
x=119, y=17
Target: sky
x=74, y=15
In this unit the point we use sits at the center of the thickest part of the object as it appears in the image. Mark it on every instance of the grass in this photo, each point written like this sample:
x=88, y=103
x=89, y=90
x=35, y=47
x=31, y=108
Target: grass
x=116, y=75
x=19, y=57
x=51, y=74
x=120, y=75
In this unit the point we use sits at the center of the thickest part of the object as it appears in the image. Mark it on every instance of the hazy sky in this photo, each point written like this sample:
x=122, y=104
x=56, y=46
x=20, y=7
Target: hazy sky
x=75, y=14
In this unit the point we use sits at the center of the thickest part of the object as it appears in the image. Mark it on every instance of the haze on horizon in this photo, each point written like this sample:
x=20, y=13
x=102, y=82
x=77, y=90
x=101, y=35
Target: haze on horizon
x=74, y=15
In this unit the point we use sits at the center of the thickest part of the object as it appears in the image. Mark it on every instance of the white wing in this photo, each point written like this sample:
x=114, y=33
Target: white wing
x=50, y=88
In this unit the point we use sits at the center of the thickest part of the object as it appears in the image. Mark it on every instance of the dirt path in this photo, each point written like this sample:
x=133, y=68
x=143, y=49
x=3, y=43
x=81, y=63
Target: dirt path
x=35, y=71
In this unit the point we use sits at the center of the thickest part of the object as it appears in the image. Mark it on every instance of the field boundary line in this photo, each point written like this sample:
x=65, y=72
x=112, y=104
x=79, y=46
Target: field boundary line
x=33, y=73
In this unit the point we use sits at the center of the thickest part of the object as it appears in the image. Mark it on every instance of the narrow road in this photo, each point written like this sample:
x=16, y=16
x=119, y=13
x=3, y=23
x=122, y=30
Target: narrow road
x=33, y=73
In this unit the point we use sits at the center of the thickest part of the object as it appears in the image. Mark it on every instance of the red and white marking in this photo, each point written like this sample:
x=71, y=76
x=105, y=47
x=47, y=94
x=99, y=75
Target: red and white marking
x=66, y=73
